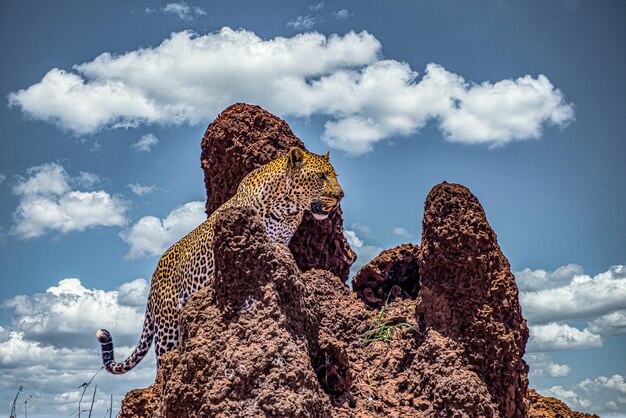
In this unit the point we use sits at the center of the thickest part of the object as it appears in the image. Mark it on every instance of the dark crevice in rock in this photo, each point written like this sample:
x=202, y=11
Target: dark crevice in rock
x=393, y=274
x=332, y=368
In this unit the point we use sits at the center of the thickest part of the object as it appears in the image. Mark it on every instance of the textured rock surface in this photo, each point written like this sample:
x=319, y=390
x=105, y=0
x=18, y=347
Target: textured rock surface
x=142, y=403
x=395, y=270
x=245, y=137
x=541, y=407
x=469, y=295
x=266, y=339
x=246, y=341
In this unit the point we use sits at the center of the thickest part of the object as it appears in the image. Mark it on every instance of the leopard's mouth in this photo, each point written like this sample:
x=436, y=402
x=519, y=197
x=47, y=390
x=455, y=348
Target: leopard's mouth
x=320, y=209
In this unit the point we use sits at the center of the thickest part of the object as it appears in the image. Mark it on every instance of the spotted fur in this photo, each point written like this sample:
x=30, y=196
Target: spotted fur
x=280, y=191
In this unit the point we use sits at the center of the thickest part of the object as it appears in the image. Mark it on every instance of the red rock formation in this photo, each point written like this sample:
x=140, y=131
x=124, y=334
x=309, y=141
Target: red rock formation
x=469, y=295
x=245, y=137
x=266, y=339
x=142, y=403
x=395, y=270
x=246, y=340
x=541, y=407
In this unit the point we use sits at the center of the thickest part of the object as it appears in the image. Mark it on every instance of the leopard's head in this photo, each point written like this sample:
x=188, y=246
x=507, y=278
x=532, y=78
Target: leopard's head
x=313, y=182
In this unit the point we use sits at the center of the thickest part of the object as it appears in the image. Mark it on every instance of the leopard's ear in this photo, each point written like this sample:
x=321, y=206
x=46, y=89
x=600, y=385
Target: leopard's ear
x=295, y=158
x=326, y=156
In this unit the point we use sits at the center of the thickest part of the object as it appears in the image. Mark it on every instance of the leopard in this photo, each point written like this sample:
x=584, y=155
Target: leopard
x=280, y=191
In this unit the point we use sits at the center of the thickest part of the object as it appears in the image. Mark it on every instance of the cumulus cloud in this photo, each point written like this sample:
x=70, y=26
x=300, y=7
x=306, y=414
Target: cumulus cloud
x=537, y=363
x=302, y=22
x=601, y=395
x=47, y=202
x=140, y=189
x=151, y=236
x=145, y=143
x=615, y=382
x=316, y=7
x=402, y=232
x=555, y=336
x=87, y=179
x=571, y=398
x=558, y=370
x=341, y=14
x=365, y=253
x=610, y=324
x=183, y=10
x=541, y=364
x=50, y=346
x=15, y=351
x=582, y=298
x=530, y=280
x=362, y=230
x=2, y=177
x=189, y=78
x=69, y=313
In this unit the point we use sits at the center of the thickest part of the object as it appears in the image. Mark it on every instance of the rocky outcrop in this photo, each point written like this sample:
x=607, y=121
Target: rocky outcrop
x=266, y=339
x=142, y=403
x=543, y=407
x=245, y=137
x=428, y=331
x=246, y=341
x=469, y=295
x=393, y=272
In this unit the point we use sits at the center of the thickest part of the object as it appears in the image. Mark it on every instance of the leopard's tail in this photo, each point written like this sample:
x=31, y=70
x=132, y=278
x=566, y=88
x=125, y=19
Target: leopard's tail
x=108, y=361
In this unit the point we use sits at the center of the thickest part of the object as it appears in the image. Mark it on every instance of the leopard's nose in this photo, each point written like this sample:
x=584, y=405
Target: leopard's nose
x=339, y=195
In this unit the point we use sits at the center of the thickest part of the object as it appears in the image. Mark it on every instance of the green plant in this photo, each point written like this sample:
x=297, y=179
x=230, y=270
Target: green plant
x=380, y=330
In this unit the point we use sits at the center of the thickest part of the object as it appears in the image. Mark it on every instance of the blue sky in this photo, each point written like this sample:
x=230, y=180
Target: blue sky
x=523, y=102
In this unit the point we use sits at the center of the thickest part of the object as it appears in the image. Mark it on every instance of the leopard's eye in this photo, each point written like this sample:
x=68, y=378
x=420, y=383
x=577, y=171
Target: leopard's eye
x=323, y=176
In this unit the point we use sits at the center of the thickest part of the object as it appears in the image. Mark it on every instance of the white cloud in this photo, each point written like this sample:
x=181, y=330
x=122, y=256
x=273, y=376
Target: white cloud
x=365, y=253
x=558, y=370
x=363, y=230
x=402, y=232
x=584, y=297
x=601, y=395
x=571, y=398
x=15, y=351
x=140, y=189
x=341, y=14
x=51, y=348
x=554, y=336
x=352, y=238
x=145, y=143
x=387, y=100
x=87, y=179
x=609, y=324
x=69, y=313
x=529, y=280
x=48, y=203
x=537, y=363
x=600, y=383
x=184, y=11
x=2, y=177
x=365, y=98
x=151, y=236
x=317, y=7
x=541, y=364
x=302, y=22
